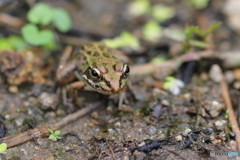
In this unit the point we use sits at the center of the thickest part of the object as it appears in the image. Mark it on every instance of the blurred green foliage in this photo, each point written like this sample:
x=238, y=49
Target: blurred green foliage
x=3, y=147
x=12, y=42
x=123, y=40
x=43, y=16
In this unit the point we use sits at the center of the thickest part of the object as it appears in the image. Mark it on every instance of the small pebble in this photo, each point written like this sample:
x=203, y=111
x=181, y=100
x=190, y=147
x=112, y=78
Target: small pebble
x=151, y=130
x=216, y=141
x=117, y=124
x=186, y=131
x=19, y=122
x=178, y=138
x=232, y=134
x=13, y=89
x=229, y=76
x=48, y=101
x=220, y=124
x=216, y=73
x=232, y=145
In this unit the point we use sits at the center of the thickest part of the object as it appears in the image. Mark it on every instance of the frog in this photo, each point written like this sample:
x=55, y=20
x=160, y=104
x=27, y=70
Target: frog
x=93, y=65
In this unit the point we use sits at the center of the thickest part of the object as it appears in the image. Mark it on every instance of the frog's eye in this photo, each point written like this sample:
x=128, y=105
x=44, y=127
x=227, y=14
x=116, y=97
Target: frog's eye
x=126, y=70
x=95, y=73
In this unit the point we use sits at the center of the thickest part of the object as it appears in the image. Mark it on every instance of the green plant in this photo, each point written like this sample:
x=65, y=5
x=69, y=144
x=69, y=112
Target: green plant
x=195, y=37
x=123, y=40
x=151, y=31
x=3, y=147
x=173, y=85
x=199, y=4
x=42, y=16
x=12, y=42
x=192, y=36
x=54, y=135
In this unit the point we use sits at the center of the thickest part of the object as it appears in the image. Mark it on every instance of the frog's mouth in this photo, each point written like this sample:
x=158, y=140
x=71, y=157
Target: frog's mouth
x=103, y=87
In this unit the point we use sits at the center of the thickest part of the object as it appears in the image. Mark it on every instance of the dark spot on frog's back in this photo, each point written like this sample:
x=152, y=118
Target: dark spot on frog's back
x=105, y=54
x=96, y=54
x=89, y=52
x=101, y=47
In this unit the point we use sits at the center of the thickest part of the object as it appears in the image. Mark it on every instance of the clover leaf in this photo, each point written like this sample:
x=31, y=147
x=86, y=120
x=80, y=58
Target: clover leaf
x=61, y=20
x=41, y=13
x=34, y=36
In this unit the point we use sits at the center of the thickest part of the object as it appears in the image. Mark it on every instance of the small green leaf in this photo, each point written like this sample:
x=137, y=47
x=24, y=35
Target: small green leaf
x=139, y=7
x=162, y=13
x=51, y=131
x=5, y=44
x=61, y=20
x=50, y=46
x=3, y=147
x=57, y=132
x=189, y=31
x=157, y=60
x=41, y=13
x=197, y=43
x=113, y=43
x=17, y=42
x=199, y=4
x=213, y=27
x=128, y=39
x=152, y=31
x=174, y=34
x=32, y=35
x=58, y=137
x=51, y=136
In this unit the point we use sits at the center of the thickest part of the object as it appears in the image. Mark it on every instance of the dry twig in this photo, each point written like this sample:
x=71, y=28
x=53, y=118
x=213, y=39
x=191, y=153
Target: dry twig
x=231, y=115
x=171, y=65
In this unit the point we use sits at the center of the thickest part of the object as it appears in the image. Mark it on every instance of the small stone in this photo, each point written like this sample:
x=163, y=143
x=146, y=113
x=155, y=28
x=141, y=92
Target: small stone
x=19, y=122
x=13, y=89
x=216, y=141
x=178, y=138
x=117, y=124
x=186, y=131
x=151, y=130
x=236, y=73
x=48, y=101
x=204, y=76
x=94, y=115
x=220, y=124
x=232, y=145
x=216, y=73
x=229, y=76
x=232, y=134
x=111, y=131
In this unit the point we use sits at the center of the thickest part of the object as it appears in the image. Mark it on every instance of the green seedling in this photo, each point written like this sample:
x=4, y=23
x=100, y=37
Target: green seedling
x=226, y=113
x=3, y=147
x=123, y=40
x=139, y=7
x=162, y=13
x=158, y=60
x=36, y=37
x=54, y=135
x=152, y=31
x=12, y=42
x=199, y=4
x=173, y=85
x=43, y=16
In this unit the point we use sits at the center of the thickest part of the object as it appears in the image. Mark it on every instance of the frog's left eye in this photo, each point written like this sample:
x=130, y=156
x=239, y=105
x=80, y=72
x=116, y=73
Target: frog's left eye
x=126, y=70
x=95, y=73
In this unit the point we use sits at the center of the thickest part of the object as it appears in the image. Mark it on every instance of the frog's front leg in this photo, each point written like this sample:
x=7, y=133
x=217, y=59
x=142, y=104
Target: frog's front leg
x=73, y=91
